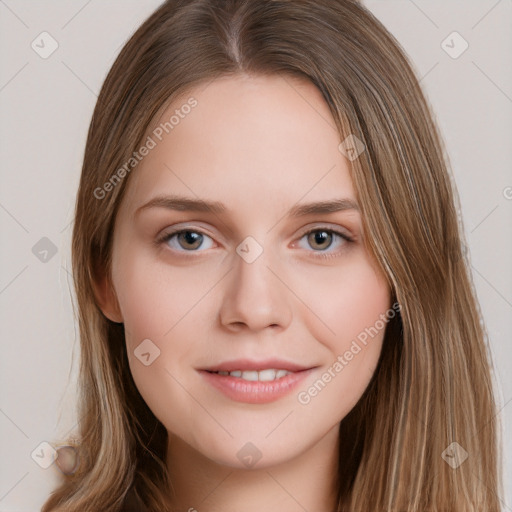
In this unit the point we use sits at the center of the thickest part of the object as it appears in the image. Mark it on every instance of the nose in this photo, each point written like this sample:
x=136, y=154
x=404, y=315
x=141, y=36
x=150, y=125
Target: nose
x=254, y=298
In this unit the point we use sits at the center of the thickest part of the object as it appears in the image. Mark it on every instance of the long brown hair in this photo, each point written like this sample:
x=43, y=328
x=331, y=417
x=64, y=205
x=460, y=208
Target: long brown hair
x=432, y=386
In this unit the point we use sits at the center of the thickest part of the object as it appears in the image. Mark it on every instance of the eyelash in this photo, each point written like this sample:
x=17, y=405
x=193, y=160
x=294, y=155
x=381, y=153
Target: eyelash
x=317, y=254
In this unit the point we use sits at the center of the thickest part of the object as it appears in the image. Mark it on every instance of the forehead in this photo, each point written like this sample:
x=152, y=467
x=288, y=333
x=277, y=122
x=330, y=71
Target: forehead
x=247, y=138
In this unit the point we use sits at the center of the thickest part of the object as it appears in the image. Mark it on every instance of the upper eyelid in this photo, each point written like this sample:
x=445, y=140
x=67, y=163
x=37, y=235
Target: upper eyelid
x=305, y=230
x=326, y=227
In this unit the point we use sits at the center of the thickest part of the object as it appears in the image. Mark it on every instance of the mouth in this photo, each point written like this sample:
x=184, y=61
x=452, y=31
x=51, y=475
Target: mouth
x=255, y=382
x=267, y=375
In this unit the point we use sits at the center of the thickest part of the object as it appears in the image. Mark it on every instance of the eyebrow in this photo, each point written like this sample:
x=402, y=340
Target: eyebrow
x=181, y=203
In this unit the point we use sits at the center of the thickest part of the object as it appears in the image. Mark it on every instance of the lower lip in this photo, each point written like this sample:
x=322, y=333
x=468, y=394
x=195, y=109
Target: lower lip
x=255, y=392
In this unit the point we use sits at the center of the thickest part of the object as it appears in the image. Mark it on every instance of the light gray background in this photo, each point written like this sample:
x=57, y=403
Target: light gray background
x=46, y=108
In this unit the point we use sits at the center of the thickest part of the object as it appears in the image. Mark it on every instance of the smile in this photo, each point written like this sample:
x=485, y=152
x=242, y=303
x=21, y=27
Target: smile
x=255, y=382
x=261, y=376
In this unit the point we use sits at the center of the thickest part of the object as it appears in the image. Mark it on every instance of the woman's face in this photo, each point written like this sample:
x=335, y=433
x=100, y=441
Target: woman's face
x=243, y=287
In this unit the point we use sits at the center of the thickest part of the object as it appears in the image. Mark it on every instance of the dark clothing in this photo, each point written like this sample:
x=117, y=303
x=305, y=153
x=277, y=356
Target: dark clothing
x=132, y=503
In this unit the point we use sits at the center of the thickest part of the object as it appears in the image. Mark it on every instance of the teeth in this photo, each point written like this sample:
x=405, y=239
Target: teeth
x=250, y=375
x=262, y=376
x=266, y=375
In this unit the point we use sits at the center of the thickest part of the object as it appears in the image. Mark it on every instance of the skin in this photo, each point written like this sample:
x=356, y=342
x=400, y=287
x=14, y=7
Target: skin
x=260, y=145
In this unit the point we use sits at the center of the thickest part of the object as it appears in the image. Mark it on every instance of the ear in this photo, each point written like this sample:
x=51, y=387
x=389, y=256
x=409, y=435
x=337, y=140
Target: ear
x=106, y=297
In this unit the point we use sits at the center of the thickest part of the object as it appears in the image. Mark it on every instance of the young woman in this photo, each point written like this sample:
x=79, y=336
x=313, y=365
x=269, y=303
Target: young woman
x=274, y=306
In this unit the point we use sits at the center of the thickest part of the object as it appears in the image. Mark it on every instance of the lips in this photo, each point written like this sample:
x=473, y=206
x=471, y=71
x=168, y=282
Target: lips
x=255, y=382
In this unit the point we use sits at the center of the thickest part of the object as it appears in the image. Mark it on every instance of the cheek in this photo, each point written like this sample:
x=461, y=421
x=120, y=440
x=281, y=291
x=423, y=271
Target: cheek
x=345, y=302
x=155, y=298
x=347, y=315
x=162, y=308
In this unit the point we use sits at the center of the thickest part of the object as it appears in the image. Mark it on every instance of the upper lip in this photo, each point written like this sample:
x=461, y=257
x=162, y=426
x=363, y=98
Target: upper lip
x=248, y=364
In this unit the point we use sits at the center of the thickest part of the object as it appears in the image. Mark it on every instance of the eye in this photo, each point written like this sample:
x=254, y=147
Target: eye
x=187, y=240
x=320, y=239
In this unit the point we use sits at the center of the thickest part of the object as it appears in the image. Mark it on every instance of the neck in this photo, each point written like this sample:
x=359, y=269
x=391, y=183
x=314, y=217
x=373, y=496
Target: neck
x=307, y=482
